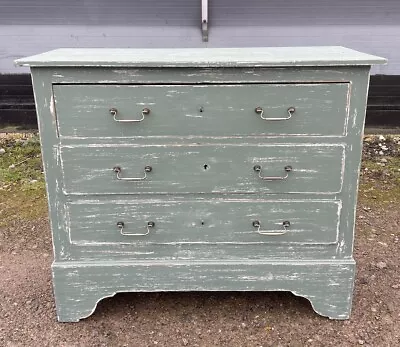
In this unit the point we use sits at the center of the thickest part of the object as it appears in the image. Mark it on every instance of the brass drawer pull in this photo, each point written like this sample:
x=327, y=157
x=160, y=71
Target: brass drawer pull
x=121, y=226
x=285, y=224
x=290, y=111
x=258, y=169
x=118, y=170
x=114, y=111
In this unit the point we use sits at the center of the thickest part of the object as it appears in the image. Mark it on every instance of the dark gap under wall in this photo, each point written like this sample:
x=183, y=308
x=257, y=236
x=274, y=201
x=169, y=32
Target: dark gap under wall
x=17, y=106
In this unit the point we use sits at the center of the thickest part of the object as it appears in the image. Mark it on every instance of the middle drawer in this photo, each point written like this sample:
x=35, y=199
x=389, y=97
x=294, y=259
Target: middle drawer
x=197, y=168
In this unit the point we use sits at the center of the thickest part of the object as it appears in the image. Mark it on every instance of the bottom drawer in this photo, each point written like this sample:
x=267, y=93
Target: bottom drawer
x=216, y=221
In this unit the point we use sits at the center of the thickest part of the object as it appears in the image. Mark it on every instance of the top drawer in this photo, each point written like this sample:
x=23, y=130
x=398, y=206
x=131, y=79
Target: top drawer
x=202, y=110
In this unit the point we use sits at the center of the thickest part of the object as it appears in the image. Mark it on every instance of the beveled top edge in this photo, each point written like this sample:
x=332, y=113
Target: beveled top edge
x=202, y=57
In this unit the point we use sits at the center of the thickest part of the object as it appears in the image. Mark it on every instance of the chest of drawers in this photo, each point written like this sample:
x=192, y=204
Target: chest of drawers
x=201, y=169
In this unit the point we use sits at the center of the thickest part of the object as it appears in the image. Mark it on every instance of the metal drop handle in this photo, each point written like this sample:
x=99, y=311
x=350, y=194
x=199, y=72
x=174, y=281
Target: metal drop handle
x=258, y=169
x=285, y=224
x=118, y=170
x=290, y=111
x=114, y=111
x=121, y=226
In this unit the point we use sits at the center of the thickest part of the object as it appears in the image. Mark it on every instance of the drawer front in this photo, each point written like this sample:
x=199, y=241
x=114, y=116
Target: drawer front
x=152, y=222
x=201, y=110
x=219, y=168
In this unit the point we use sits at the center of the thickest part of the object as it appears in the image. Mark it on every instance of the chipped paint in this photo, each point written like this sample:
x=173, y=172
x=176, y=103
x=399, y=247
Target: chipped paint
x=81, y=299
x=52, y=107
x=93, y=260
x=179, y=168
x=225, y=113
x=94, y=223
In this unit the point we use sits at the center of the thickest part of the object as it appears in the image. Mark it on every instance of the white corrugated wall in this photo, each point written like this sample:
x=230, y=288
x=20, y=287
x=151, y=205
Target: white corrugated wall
x=29, y=27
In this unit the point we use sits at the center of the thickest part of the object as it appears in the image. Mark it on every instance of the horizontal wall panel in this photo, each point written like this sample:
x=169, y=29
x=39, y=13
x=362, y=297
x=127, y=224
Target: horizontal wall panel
x=28, y=28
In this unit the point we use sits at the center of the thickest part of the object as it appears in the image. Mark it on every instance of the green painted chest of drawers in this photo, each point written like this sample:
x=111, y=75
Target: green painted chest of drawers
x=202, y=169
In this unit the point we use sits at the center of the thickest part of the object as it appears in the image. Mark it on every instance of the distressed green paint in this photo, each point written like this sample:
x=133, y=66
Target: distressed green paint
x=199, y=57
x=201, y=110
x=215, y=221
x=222, y=168
x=203, y=238
x=80, y=286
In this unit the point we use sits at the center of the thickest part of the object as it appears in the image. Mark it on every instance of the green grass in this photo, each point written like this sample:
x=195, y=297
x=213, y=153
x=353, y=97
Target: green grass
x=22, y=185
x=21, y=163
x=380, y=185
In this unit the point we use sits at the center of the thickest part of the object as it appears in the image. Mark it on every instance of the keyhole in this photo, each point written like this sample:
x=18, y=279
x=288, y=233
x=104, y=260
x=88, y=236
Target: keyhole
x=205, y=167
x=201, y=109
x=202, y=222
